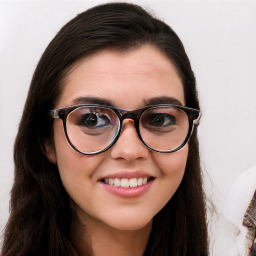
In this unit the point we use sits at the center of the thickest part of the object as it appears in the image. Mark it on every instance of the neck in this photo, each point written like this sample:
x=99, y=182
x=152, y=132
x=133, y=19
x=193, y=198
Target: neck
x=92, y=238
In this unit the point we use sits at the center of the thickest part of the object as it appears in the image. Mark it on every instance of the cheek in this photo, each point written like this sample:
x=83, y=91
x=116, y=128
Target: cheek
x=74, y=168
x=172, y=167
x=172, y=163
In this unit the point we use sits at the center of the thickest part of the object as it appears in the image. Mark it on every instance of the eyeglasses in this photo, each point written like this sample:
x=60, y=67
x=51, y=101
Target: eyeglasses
x=92, y=128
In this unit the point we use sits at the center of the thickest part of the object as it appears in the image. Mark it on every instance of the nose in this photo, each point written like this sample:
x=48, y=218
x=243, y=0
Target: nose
x=128, y=146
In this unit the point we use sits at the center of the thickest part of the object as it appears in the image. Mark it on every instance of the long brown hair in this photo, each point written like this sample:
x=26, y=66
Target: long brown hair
x=40, y=213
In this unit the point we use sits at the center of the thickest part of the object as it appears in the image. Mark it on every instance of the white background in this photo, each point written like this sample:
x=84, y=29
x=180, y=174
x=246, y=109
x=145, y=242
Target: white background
x=220, y=39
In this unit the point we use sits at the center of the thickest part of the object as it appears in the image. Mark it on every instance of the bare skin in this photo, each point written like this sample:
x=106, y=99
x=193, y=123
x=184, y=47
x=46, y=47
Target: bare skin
x=91, y=239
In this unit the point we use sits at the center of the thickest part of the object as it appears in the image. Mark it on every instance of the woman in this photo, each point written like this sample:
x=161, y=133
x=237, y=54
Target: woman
x=106, y=156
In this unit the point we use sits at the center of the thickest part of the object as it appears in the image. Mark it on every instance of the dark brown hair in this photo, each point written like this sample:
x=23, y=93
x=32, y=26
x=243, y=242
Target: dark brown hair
x=40, y=213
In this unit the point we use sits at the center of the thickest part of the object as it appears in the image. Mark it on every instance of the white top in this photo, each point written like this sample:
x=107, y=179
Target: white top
x=236, y=205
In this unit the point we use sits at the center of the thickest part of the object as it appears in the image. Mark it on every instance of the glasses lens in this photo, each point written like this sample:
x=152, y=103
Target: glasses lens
x=91, y=129
x=164, y=128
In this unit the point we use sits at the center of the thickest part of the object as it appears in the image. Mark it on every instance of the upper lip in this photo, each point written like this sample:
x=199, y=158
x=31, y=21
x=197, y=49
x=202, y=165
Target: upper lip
x=127, y=174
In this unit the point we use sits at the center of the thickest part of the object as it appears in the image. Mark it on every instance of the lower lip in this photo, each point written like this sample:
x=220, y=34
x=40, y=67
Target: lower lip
x=128, y=192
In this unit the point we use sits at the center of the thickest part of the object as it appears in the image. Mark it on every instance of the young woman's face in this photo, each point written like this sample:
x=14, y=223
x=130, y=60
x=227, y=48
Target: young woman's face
x=128, y=80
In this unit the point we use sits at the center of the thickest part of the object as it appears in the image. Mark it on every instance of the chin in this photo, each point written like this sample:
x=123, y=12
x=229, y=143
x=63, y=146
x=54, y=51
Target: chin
x=130, y=224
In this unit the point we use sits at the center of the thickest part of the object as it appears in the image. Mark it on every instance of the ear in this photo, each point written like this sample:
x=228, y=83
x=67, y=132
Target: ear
x=50, y=151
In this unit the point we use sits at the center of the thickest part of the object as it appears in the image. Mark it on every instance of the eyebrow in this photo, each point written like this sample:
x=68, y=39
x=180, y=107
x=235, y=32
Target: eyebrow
x=163, y=100
x=92, y=100
x=107, y=102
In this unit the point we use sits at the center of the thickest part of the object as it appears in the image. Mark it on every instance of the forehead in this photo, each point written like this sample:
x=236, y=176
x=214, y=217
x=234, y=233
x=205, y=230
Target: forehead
x=125, y=78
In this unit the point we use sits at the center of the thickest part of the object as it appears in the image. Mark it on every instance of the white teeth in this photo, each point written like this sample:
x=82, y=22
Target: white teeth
x=133, y=183
x=125, y=182
x=117, y=182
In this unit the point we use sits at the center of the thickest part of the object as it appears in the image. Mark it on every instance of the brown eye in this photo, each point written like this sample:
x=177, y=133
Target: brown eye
x=93, y=120
x=162, y=120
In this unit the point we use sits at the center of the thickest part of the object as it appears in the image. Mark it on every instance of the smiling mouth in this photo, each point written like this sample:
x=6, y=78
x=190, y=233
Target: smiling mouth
x=127, y=183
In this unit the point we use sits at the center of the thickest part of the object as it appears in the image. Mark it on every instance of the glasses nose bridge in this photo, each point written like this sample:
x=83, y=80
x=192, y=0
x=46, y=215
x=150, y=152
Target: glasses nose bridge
x=133, y=115
x=129, y=115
